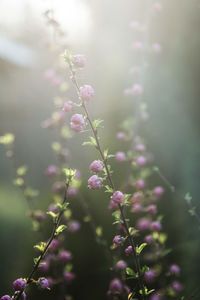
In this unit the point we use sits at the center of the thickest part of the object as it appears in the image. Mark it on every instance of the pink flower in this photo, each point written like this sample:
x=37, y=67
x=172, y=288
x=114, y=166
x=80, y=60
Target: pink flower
x=121, y=264
x=140, y=184
x=51, y=171
x=143, y=224
x=141, y=161
x=115, y=285
x=86, y=92
x=96, y=166
x=118, y=197
x=135, y=25
x=112, y=205
x=120, y=156
x=129, y=250
x=136, y=208
x=117, y=240
x=158, y=191
x=74, y=226
x=157, y=6
x=140, y=147
x=77, y=122
x=65, y=256
x=137, y=45
x=148, y=239
x=137, y=89
x=121, y=135
x=79, y=60
x=67, y=107
x=156, y=226
x=72, y=191
x=177, y=286
x=156, y=48
x=174, y=269
x=69, y=276
x=152, y=209
x=94, y=182
x=149, y=276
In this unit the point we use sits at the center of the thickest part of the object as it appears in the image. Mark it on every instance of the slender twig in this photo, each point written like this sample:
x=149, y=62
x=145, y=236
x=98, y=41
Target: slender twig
x=44, y=252
x=98, y=147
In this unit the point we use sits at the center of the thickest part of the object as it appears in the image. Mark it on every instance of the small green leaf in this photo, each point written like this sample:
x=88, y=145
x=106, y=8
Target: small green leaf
x=188, y=198
x=53, y=215
x=40, y=246
x=109, y=189
x=96, y=124
x=69, y=173
x=21, y=171
x=60, y=229
x=140, y=248
x=92, y=142
x=99, y=231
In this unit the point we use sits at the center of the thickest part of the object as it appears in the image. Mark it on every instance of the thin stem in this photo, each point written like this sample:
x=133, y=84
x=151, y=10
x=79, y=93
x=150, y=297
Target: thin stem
x=98, y=146
x=53, y=235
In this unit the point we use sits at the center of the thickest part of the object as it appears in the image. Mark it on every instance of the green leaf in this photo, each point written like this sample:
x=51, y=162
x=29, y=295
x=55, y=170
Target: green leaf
x=40, y=246
x=96, y=124
x=69, y=173
x=140, y=248
x=62, y=207
x=188, y=198
x=21, y=171
x=131, y=273
x=67, y=56
x=53, y=215
x=99, y=231
x=132, y=230
x=7, y=139
x=109, y=189
x=36, y=259
x=60, y=229
x=92, y=142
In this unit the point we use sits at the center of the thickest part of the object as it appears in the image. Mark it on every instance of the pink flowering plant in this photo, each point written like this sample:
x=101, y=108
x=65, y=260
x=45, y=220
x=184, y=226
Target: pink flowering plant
x=136, y=255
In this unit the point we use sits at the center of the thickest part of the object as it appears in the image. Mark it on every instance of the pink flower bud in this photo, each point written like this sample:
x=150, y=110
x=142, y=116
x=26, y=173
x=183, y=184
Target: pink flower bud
x=136, y=208
x=137, y=89
x=118, y=197
x=120, y=156
x=141, y=161
x=152, y=209
x=177, y=286
x=77, y=122
x=79, y=60
x=158, y=191
x=86, y=92
x=157, y=6
x=121, y=264
x=129, y=250
x=156, y=226
x=156, y=48
x=137, y=45
x=51, y=171
x=117, y=240
x=115, y=285
x=149, y=276
x=135, y=25
x=121, y=135
x=69, y=276
x=67, y=107
x=65, y=256
x=140, y=184
x=140, y=147
x=174, y=269
x=143, y=224
x=96, y=166
x=94, y=182
x=148, y=239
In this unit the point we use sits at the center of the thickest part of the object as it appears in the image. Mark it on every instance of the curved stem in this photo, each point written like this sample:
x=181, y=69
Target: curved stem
x=126, y=226
x=53, y=235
